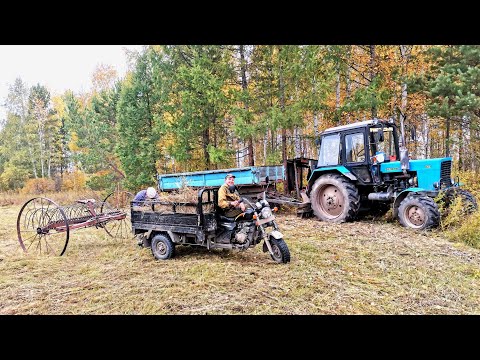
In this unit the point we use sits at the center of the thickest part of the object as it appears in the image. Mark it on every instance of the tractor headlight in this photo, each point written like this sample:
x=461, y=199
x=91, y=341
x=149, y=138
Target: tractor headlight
x=436, y=185
x=266, y=212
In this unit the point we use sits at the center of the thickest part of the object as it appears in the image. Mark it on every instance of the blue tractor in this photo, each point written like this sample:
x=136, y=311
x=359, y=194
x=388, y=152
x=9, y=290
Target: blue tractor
x=364, y=168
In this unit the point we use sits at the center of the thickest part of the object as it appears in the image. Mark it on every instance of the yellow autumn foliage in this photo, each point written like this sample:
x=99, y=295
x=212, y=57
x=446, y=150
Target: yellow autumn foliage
x=38, y=186
x=75, y=180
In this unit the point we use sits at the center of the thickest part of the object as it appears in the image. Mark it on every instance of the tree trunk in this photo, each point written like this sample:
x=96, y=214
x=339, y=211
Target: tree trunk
x=348, y=85
x=337, y=92
x=373, y=74
x=298, y=144
x=461, y=158
x=348, y=95
x=447, y=137
x=206, y=142
x=297, y=131
x=284, y=157
x=315, y=125
x=315, y=114
x=243, y=68
x=426, y=135
x=265, y=147
x=284, y=131
x=405, y=52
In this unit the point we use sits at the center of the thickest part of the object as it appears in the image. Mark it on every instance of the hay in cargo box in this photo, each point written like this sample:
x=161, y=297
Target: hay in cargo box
x=183, y=200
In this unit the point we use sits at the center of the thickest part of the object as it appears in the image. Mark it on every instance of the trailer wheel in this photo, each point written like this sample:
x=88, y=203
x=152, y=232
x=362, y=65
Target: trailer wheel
x=469, y=202
x=334, y=199
x=162, y=247
x=418, y=212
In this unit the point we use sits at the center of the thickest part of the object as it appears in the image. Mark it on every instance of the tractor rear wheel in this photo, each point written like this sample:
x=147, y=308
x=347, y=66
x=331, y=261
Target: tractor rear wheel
x=418, y=212
x=334, y=199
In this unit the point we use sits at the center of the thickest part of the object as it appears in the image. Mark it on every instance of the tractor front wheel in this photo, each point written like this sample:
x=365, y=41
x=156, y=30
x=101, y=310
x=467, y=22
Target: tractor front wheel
x=418, y=212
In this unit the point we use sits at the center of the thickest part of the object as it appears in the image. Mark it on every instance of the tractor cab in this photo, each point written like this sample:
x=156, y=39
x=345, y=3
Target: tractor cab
x=360, y=148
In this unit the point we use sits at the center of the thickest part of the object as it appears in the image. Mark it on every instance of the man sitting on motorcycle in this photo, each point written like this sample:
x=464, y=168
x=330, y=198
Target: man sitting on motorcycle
x=228, y=198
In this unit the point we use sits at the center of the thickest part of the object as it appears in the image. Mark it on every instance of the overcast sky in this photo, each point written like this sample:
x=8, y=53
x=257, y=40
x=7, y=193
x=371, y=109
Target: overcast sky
x=58, y=67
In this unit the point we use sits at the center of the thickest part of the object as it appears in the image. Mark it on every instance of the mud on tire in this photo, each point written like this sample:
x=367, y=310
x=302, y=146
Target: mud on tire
x=334, y=199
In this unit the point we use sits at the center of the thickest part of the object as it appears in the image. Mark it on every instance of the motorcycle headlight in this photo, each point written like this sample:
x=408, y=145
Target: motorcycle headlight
x=266, y=212
x=258, y=205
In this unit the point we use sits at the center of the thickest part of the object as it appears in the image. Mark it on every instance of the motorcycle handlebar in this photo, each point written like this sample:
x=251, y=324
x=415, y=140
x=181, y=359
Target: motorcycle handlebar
x=248, y=202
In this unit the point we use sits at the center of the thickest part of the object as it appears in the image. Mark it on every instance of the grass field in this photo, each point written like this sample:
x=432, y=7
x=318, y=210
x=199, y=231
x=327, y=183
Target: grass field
x=365, y=267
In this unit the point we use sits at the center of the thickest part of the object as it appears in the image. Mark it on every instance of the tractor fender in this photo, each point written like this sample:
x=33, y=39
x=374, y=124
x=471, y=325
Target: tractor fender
x=402, y=195
x=342, y=170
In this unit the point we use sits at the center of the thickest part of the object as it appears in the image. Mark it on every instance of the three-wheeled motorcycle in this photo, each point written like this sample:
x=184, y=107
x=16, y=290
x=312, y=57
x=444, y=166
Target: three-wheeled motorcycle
x=163, y=225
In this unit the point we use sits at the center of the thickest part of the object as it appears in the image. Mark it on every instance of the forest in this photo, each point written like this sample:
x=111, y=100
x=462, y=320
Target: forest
x=199, y=107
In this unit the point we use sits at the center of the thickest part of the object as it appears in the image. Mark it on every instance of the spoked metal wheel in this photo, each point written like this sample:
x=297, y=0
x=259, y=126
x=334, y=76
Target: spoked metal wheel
x=118, y=203
x=42, y=227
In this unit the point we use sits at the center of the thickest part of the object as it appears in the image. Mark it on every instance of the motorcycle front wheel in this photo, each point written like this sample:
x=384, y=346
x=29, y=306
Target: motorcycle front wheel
x=281, y=254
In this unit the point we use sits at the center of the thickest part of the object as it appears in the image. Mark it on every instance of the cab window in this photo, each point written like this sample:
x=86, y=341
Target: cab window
x=329, y=150
x=386, y=146
x=355, y=148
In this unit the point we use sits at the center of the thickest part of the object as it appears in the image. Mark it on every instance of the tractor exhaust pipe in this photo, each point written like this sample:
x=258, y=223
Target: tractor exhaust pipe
x=404, y=158
x=383, y=196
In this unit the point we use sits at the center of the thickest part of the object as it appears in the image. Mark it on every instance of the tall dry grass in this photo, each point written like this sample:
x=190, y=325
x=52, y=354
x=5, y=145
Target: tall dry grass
x=364, y=267
x=457, y=222
x=61, y=197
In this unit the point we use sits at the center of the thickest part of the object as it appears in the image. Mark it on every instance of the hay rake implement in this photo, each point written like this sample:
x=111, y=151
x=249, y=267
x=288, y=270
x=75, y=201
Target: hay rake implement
x=44, y=227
